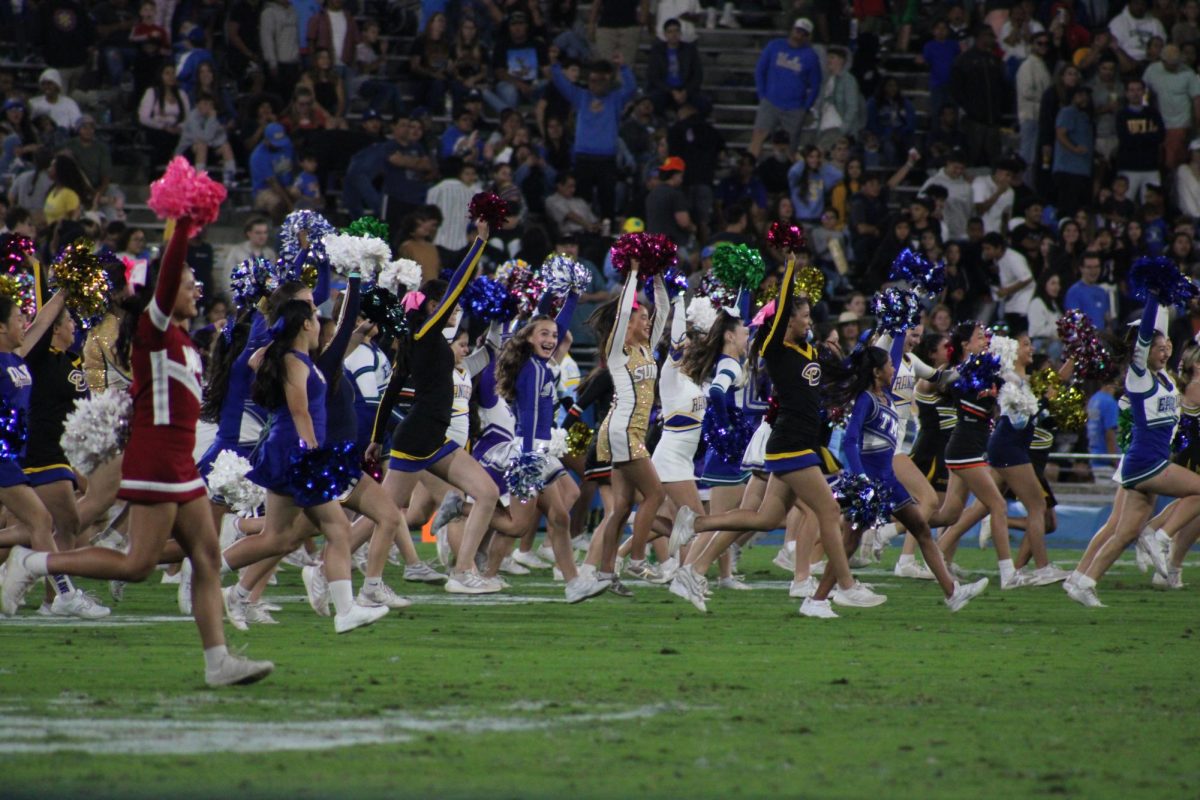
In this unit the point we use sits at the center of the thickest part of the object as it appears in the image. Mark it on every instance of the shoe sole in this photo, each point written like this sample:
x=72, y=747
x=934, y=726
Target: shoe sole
x=246, y=680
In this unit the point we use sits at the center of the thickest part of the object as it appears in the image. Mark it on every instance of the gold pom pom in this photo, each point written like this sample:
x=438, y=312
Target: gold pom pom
x=579, y=438
x=810, y=283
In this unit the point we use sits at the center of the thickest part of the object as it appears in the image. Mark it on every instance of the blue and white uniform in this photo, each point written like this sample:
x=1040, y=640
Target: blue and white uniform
x=1008, y=446
x=1154, y=403
x=723, y=394
x=683, y=404
x=757, y=393
x=460, y=411
x=16, y=386
x=871, y=436
x=910, y=370
x=536, y=399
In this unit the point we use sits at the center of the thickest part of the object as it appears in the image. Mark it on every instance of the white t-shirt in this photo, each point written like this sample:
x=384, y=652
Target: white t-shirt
x=64, y=111
x=675, y=9
x=1021, y=49
x=337, y=33
x=983, y=188
x=1014, y=268
x=1133, y=35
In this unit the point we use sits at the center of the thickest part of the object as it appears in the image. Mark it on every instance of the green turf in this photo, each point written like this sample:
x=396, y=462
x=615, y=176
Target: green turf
x=1021, y=694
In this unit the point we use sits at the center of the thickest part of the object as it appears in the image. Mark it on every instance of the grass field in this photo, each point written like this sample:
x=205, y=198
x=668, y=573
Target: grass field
x=1022, y=694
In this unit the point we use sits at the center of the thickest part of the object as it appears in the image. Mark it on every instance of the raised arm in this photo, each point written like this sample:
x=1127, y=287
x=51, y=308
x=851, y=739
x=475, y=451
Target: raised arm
x=565, y=314
x=170, y=275
x=783, y=308
x=527, y=402
x=1138, y=380
x=678, y=327
x=662, y=304
x=458, y=282
x=616, y=337
x=331, y=358
x=42, y=323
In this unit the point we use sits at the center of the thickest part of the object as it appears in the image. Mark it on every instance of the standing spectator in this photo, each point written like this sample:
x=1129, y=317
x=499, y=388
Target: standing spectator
x=1016, y=35
x=1107, y=98
x=788, y=80
x=1053, y=100
x=688, y=12
x=334, y=30
x=674, y=72
x=892, y=118
x=993, y=196
x=153, y=47
x=978, y=84
x=95, y=162
x=370, y=64
x=161, y=113
x=1074, y=153
x=667, y=206
x=256, y=231
x=1033, y=79
x=364, y=172
x=1088, y=296
x=697, y=142
x=114, y=20
x=271, y=171
x=938, y=54
x=243, y=54
x=868, y=210
x=68, y=36
x=408, y=172
x=203, y=134
x=430, y=63
x=1140, y=132
x=1132, y=30
x=1187, y=183
x=1177, y=88
x=521, y=63
x=193, y=54
x=305, y=11
x=1015, y=286
x=452, y=195
x=279, y=35
x=597, y=119
x=615, y=25
x=1102, y=416
x=960, y=202
x=842, y=111
x=53, y=103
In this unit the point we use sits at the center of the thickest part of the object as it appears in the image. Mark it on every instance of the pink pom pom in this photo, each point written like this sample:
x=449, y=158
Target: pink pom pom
x=491, y=208
x=183, y=192
x=788, y=238
x=654, y=252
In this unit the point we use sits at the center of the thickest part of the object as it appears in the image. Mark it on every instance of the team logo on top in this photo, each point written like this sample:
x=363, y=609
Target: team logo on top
x=812, y=374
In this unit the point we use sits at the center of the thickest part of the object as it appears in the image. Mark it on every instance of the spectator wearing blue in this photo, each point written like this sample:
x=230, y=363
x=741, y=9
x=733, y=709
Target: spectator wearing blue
x=1102, y=419
x=893, y=120
x=938, y=54
x=188, y=62
x=360, y=194
x=1074, y=152
x=461, y=139
x=788, y=80
x=809, y=180
x=271, y=166
x=1088, y=296
x=597, y=120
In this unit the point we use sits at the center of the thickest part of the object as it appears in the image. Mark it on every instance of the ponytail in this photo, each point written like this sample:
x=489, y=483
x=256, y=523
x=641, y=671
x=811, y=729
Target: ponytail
x=271, y=378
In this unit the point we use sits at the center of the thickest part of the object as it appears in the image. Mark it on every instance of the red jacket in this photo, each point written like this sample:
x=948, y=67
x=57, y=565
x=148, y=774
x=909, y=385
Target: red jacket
x=320, y=34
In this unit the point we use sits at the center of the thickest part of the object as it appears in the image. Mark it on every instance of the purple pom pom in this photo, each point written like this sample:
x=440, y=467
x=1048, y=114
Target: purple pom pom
x=788, y=238
x=524, y=475
x=728, y=440
x=1160, y=278
x=654, y=253
x=1082, y=343
x=864, y=504
x=978, y=375
x=896, y=310
x=322, y=475
x=914, y=268
x=489, y=300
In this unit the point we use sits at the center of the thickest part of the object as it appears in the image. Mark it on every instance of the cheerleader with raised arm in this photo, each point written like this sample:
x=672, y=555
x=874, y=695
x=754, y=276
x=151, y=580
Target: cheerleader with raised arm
x=158, y=474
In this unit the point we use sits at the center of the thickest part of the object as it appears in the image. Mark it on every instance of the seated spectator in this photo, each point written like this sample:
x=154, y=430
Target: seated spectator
x=993, y=197
x=94, y=159
x=69, y=191
x=370, y=66
x=521, y=65
x=303, y=117
x=193, y=54
x=307, y=186
x=203, y=134
x=892, y=118
x=773, y=167
x=161, y=113
x=809, y=179
x=694, y=139
x=271, y=167
x=468, y=61
x=667, y=207
x=256, y=231
x=152, y=45
x=53, y=103
x=452, y=195
x=868, y=210
x=1132, y=31
x=327, y=89
x=334, y=29
x=1187, y=183
x=1044, y=313
x=29, y=189
x=743, y=184
x=938, y=54
x=461, y=139
x=20, y=139
x=207, y=83
x=571, y=214
x=417, y=233
x=674, y=72
x=408, y=171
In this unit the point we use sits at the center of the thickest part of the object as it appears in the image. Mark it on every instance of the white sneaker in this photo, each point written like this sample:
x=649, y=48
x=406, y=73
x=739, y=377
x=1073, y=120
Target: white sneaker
x=804, y=588
x=170, y=580
x=817, y=569
x=857, y=596
x=394, y=557
x=298, y=558
x=985, y=532
x=668, y=568
x=468, y=583
x=184, y=596
x=511, y=567
x=957, y=571
x=785, y=560
x=582, y=542
x=235, y=610
x=423, y=573
x=1085, y=596
x=1044, y=576
x=259, y=614
x=235, y=669
x=1019, y=580
x=557, y=575
x=357, y=617
x=317, y=589
x=686, y=584
x=582, y=587
x=545, y=554
x=359, y=559
x=884, y=535
x=445, y=556
x=645, y=571
x=116, y=590
x=1149, y=544
x=381, y=595
x=733, y=582
x=587, y=569
x=728, y=20
x=683, y=531
x=78, y=603
x=861, y=558
x=17, y=581
x=450, y=510
x=1174, y=579
x=495, y=583
x=914, y=570
x=817, y=609
x=269, y=606
x=963, y=592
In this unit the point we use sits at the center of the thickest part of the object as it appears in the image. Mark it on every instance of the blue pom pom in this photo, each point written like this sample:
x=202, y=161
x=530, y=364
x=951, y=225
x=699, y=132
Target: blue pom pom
x=980, y=373
x=675, y=281
x=1187, y=434
x=489, y=300
x=896, y=310
x=322, y=475
x=252, y=279
x=864, y=504
x=559, y=273
x=14, y=432
x=1160, y=278
x=912, y=267
x=524, y=475
x=728, y=441
x=314, y=226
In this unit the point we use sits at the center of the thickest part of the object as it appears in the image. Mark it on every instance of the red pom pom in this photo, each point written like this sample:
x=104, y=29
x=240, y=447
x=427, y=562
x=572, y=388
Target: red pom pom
x=788, y=238
x=184, y=192
x=654, y=252
x=491, y=208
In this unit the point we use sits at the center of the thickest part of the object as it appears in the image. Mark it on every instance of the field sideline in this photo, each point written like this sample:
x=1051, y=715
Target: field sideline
x=1022, y=694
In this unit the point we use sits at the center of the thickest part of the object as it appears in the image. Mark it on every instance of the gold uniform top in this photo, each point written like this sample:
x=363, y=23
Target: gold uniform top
x=99, y=356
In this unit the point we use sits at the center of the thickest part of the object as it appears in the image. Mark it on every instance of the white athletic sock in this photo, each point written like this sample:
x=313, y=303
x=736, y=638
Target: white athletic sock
x=1007, y=570
x=905, y=559
x=343, y=596
x=373, y=583
x=1084, y=582
x=1075, y=576
x=791, y=546
x=62, y=584
x=636, y=562
x=35, y=562
x=213, y=656
x=225, y=568
x=242, y=593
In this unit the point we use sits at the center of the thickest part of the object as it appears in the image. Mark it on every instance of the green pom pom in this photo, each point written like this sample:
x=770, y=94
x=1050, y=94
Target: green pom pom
x=368, y=227
x=738, y=266
x=1124, y=429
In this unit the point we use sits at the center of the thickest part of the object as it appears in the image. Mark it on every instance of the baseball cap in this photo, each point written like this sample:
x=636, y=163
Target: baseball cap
x=633, y=225
x=708, y=251
x=196, y=35
x=804, y=24
x=276, y=133
x=370, y=114
x=13, y=102
x=847, y=317
x=673, y=164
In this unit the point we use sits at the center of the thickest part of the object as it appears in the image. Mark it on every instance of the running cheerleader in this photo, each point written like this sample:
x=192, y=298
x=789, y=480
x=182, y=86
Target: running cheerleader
x=1145, y=469
x=793, y=454
x=869, y=446
x=158, y=474
x=524, y=378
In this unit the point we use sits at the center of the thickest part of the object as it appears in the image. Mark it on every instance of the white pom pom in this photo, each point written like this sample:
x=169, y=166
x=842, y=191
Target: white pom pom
x=366, y=254
x=558, y=442
x=701, y=313
x=401, y=272
x=96, y=431
x=227, y=478
x=1005, y=349
x=1018, y=403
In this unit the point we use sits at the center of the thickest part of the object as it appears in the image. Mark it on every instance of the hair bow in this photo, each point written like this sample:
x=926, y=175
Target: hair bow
x=412, y=301
x=765, y=312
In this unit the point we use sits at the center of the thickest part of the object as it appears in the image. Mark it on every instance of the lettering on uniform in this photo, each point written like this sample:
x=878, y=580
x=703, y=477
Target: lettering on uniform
x=646, y=372
x=78, y=380
x=699, y=404
x=1166, y=404
x=812, y=374
x=20, y=377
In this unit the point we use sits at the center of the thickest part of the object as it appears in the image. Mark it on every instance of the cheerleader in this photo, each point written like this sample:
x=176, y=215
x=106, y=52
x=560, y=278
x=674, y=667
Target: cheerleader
x=1145, y=469
x=102, y=365
x=525, y=380
x=621, y=439
x=869, y=446
x=793, y=453
x=1188, y=457
x=158, y=474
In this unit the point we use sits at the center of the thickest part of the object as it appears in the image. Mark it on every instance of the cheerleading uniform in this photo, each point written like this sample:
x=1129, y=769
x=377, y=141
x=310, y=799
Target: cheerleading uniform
x=100, y=359
x=460, y=412
x=419, y=441
x=271, y=458
x=723, y=405
x=341, y=423
x=683, y=404
x=757, y=401
x=1009, y=444
x=1186, y=440
x=968, y=443
x=1154, y=403
x=58, y=383
x=795, y=441
x=937, y=415
x=497, y=430
x=904, y=386
x=1044, y=428
x=535, y=400
x=596, y=390
x=870, y=442
x=158, y=466
x=622, y=436
x=16, y=387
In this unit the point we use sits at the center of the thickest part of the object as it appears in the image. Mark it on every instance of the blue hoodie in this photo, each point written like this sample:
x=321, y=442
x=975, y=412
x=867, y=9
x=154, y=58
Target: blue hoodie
x=597, y=118
x=788, y=77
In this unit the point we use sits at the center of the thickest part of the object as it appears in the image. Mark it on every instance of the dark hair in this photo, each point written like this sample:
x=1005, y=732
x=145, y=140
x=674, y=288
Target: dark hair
x=286, y=292
x=220, y=363
x=131, y=309
x=126, y=235
x=603, y=320
x=15, y=216
x=843, y=381
x=705, y=349
x=254, y=222
x=68, y=174
x=994, y=239
x=271, y=378
x=760, y=336
x=959, y=337
x=512, y=358
x=7, y=304
x=927, y=348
